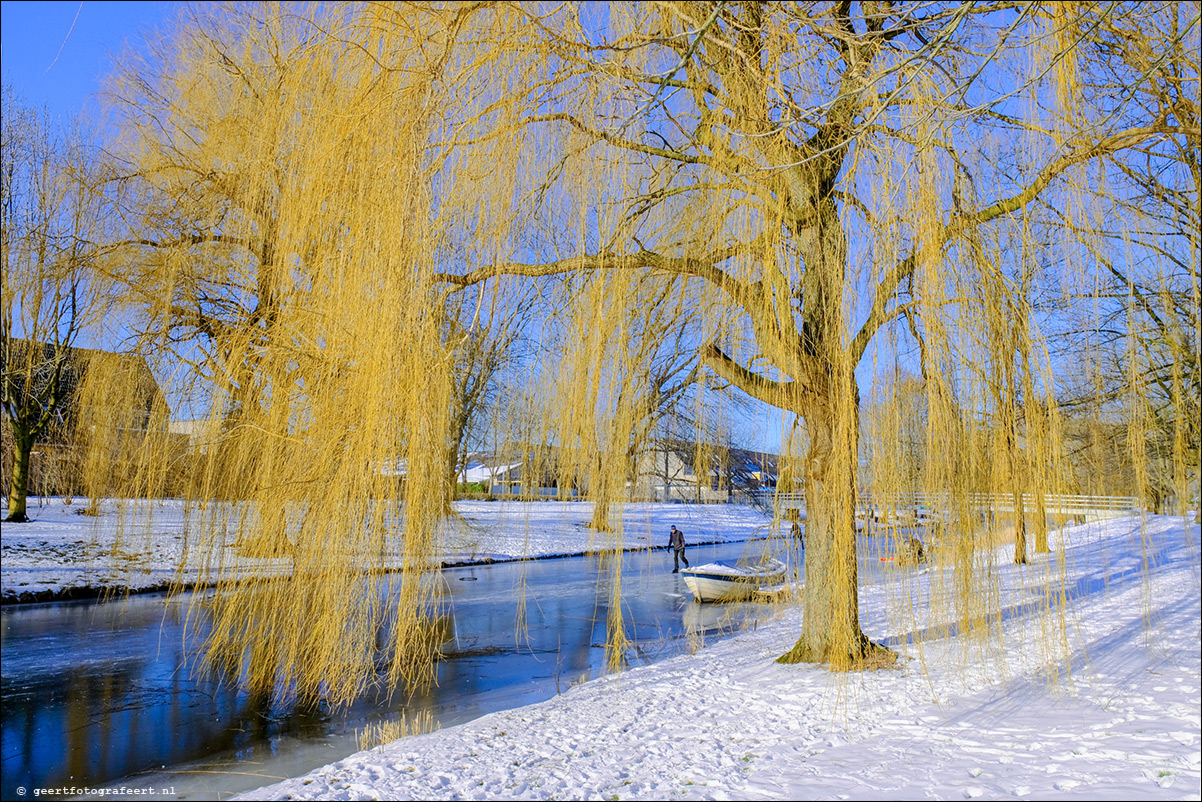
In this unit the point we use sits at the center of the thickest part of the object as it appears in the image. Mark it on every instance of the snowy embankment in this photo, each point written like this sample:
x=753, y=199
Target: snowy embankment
x=1094, y=697
x=144, y=546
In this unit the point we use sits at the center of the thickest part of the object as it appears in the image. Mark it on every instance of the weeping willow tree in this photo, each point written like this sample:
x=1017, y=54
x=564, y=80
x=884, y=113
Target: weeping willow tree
x=773, y=186
x=825, y=170
x=279, y=187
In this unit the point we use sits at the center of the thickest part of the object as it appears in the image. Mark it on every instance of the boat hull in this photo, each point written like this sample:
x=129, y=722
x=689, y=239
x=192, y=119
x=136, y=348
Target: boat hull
x=723, y=586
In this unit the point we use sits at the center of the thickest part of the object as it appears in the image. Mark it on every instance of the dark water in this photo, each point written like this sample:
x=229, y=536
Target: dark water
x=105, y=693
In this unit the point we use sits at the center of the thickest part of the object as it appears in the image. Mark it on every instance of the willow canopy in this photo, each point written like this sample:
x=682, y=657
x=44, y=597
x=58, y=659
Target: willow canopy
x=874, y=217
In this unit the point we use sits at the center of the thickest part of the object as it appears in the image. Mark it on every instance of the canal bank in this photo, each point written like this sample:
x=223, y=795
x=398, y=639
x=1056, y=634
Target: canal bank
x=147, y=546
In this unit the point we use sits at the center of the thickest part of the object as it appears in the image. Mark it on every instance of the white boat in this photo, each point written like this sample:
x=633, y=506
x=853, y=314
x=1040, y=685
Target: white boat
x=727, y=581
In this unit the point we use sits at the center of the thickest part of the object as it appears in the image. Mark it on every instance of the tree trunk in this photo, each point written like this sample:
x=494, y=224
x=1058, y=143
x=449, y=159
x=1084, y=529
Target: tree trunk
x=667, y=478
x=601, y=487
x=601, y=508
x=452, y=452
x=19, y=490
x=1015, y=463
x=1020, y=524
x=1041, y=522
x=450, y=478
x=829, y=405
x=831, y=627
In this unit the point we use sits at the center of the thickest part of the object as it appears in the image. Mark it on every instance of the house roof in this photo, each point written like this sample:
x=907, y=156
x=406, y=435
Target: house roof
x=723, y=458
x=478, y=471
x=21, y=360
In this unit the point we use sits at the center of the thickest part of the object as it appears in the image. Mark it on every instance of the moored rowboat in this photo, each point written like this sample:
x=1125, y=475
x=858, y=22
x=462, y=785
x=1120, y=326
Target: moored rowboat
x=726, y=581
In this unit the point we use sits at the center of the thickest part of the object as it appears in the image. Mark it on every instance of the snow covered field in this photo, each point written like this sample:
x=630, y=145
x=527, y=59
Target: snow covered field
x=62, y=553
x=1113, y=713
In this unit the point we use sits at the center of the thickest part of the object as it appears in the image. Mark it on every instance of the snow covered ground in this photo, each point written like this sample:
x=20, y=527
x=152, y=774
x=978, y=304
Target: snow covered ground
x=62, y=553
x=1111, y=712
x=1084, y=682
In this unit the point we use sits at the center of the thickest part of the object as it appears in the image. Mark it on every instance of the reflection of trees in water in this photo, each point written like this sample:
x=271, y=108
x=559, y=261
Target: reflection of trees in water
x=112, y=719
x=130, y=702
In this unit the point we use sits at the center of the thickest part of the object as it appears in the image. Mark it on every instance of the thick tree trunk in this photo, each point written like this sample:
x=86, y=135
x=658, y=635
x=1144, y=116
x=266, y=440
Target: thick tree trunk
x=831, y=627
x=830, y=407
x=19, y=490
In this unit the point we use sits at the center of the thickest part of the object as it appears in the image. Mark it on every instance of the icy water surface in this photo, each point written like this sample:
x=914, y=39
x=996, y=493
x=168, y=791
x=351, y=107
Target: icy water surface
x=104, y=694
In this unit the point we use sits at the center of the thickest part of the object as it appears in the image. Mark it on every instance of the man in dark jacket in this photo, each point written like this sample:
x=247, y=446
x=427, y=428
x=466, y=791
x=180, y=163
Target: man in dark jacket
x=676, y=543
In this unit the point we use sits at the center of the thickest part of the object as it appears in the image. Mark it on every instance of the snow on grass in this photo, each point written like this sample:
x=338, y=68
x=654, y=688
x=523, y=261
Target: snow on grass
x=144, y=545
x=62, y=551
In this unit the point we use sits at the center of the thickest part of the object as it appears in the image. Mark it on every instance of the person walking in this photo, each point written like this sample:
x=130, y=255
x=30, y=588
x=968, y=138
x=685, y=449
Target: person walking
x=676, y=543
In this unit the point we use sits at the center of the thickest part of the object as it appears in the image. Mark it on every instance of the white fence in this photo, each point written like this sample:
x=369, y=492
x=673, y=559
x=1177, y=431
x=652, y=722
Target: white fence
x=1090, y=507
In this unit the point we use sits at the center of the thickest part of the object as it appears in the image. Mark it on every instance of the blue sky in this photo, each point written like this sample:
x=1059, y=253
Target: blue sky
x=55, y=53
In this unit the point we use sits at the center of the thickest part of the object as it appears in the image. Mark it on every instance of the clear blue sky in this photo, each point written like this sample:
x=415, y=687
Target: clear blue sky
x=55, y=53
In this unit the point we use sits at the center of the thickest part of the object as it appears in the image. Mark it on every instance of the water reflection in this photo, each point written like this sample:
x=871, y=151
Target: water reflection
x=96, y=692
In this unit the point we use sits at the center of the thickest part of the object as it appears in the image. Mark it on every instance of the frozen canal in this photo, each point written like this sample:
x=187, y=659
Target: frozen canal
x=104, y=694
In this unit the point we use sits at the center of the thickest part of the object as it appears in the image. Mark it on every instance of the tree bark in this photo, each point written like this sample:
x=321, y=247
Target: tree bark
x=19, y=490
x=824, y=394
x=601, y=508
x=601, y=491
x=1041, y=522
x=1016, y=479
x=831, y=627
x=453, y=451
x=1020, y=524
x=450, y=476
